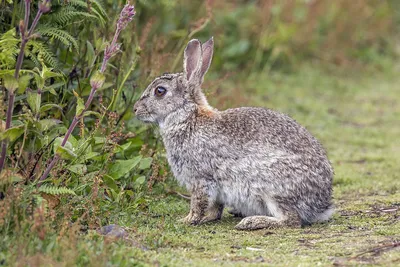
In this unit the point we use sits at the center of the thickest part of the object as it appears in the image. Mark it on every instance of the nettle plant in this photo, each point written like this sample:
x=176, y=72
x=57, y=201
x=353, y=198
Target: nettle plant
x=54, y=137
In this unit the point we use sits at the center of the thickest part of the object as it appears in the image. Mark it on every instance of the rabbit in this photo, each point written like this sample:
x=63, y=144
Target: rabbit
x=259, y=162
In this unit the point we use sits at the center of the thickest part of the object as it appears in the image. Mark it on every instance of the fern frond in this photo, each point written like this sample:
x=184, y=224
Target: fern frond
x=9, y=49
x=53, y=190
x=37, y=51
x=99, y=8
x=98, y=15
x=78, y=3
x=69, y=14
x=60, y=35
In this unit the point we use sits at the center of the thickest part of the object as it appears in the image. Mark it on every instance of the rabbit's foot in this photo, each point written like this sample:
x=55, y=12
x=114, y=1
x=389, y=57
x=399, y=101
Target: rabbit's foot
x=191, y=218
x=258, y=222
x=267, y=222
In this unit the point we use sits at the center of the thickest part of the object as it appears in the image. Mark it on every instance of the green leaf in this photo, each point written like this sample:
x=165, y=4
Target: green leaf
x=120, y=148
x=39, y=80
x=140, y=180
x=90, y=155
x=122, y=167
x=110, y=182
x=99, y=140
x=7, y=178
x=65, y=153
x=88, y=113
x=80, y=169
x=90, y=54
x=10, y=83
x=23, y=82
x=49, y=106
x=47, y=124
x=80, y=107
x=34, y=100
x=12, y=134
x=145, y=163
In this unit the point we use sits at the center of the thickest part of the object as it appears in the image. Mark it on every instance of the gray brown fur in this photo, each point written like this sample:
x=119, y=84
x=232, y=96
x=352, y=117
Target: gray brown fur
x=257, y=161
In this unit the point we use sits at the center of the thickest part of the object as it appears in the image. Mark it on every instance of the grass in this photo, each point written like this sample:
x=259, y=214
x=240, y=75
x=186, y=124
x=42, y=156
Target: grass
x=356, y=117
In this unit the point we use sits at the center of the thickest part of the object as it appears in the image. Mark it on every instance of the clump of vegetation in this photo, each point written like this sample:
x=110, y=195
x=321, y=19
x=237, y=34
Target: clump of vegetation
x=74, y=159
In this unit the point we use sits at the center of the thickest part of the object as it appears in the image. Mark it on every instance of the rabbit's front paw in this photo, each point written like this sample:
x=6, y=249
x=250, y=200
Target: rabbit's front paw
x=191, y=219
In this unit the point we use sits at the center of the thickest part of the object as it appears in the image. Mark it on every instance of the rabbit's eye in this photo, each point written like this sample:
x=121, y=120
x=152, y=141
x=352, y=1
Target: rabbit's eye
x=160, y=91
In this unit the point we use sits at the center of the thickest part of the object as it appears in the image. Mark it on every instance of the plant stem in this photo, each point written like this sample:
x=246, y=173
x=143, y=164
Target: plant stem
x=11, y=96
x=48, y=169
x=126, y=15
x=35, y=22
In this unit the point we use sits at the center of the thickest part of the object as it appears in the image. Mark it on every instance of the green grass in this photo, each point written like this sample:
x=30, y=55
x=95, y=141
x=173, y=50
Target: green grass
x=356, y=117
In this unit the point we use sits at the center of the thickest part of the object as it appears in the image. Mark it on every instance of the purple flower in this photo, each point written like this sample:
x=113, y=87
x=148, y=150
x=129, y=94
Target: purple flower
x=44, y=6
x=126, y=16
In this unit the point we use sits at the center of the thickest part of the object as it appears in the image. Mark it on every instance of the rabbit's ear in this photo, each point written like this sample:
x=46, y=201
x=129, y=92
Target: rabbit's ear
x=192, y=60
x=207, y=49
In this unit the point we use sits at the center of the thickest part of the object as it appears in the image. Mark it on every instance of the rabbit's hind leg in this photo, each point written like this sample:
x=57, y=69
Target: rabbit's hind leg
x=236, y=213
x=214, y=212
x=268, y=222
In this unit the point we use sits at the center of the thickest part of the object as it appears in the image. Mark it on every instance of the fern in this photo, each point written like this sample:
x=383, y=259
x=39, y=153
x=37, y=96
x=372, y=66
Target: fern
x=96, y=7
x=78, y=3
x=37, y=51
x=99, y=7
x=69, y=14
x=60, y=35
x=53, y=190
x=9, y=49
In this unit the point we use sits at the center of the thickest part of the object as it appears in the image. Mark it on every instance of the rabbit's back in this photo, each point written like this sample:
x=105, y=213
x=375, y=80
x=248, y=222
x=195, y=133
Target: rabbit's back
x=252, y=156
x=265, y=127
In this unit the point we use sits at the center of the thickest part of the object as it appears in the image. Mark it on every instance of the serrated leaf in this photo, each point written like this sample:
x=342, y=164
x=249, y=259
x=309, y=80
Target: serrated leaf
x=34, y=100
x=122, y=167
x=145, y=163
x=12, y=134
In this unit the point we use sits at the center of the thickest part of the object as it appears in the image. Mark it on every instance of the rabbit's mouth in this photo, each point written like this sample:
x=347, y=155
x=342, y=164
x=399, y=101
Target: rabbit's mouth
x=145, y=117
